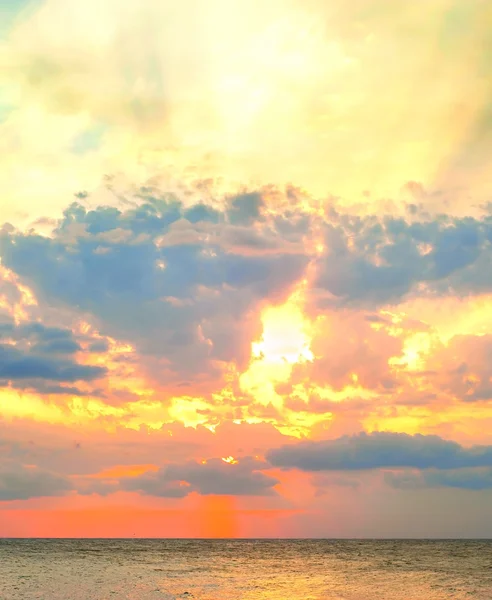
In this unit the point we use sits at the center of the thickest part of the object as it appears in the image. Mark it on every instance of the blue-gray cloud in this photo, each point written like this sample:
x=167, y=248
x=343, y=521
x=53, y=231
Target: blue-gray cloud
x=16, y=365
x=184, y=284
x=180, y=283
x=18, y=482
x=378, y=260
x=245, y=208
x=42, y=338
x=37, y=357
x=49, y=388
x=469, y=479
x=380, y=450
x=214, y=477
x=98, y=347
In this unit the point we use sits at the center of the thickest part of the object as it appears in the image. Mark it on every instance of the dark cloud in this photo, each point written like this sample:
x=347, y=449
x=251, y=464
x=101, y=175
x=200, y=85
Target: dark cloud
x=380, y=450
x=214, y=477
x=47, y=388
x=185, y=284
x=378, y=260
x=202, y=213
x=37, y=357
x=244, y=209
x=10, y=295
x=469, y=479
x=98, y=347
x=170, y=286
x=42, y=339
x=17, y=365
x=60, y=346
x=19, y=482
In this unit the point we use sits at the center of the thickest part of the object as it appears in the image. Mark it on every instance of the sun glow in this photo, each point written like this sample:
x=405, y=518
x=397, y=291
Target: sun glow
x=415, y=348
x=285, y=341
x=285, y=337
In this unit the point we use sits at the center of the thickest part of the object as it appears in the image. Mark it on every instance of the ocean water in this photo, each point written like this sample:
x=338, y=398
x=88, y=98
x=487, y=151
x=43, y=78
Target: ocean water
x=245, y=569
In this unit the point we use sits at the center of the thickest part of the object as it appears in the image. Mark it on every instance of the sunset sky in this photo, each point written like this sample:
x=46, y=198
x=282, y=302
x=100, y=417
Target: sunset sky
x=245, y=268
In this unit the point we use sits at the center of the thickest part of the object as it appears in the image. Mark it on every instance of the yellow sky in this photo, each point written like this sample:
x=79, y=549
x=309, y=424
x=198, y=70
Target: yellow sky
x=337, y=98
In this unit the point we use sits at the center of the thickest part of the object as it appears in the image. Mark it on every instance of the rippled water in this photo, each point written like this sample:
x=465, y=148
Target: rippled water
x=249, y=570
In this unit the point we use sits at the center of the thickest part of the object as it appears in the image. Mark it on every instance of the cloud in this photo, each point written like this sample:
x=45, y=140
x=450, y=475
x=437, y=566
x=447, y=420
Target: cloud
x=42, y=339
x=217, y=477
x=245, y=208
x=467, y=478
x=193, y=301
x=42, y=358
x=463, y=368
x=44, y=388
x=184, y=284
x=379, y=450
x=365, y=351
x=98, y=347
x=17, y=365
x=20, y=482
x=71, y=449
x=374, y=260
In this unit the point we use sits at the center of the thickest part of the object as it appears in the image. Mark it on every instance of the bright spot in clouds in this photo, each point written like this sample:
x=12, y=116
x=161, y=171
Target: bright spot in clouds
x=284, y=342
x=285, y=336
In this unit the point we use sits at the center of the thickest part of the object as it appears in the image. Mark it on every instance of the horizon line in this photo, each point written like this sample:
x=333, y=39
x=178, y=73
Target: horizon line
x=250, y=539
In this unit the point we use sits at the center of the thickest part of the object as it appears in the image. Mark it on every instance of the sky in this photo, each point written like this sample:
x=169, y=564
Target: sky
x=245, y=268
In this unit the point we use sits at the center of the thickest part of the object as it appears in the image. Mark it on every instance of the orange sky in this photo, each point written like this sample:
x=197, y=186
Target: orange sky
x=245, y=257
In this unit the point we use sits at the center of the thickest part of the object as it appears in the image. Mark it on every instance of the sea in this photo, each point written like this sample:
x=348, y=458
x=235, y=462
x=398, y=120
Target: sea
x=245, y=569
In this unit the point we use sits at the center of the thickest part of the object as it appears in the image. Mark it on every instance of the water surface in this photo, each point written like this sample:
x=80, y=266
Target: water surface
x=245, y=569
